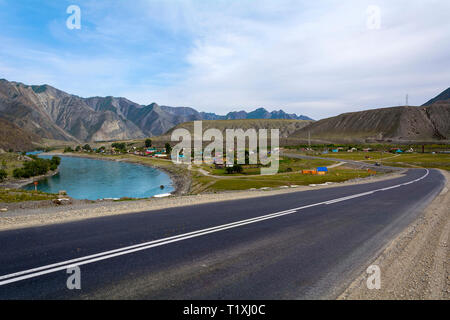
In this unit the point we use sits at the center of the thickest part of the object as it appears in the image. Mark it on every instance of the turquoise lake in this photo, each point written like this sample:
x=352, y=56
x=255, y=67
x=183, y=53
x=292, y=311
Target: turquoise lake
x=93, y=179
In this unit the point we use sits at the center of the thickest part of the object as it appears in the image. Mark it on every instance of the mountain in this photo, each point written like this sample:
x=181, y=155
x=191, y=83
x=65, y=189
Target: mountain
x=54, y=114
x=15, y=138
x=286, y=126
x=443, y=97
x=395, y=124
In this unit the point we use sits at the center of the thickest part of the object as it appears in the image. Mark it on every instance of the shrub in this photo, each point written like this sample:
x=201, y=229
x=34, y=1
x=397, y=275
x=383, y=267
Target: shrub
x=168, y=148
x=3, y=175
x=122, y=147
x=237, y=168
x=37, y=167
x=148, y=143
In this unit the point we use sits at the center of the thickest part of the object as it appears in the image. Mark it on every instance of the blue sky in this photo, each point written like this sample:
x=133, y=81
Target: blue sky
x=317, y=58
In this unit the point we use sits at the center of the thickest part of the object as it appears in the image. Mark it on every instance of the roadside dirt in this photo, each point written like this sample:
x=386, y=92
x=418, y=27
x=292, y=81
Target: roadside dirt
x=23, y=218
x=415, y=265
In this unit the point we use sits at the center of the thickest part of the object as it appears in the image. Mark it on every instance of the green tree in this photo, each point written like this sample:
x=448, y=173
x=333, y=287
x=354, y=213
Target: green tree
x=68, y=149
x=87, y=147
x=148, y=143
x=3, y=174
x=168, y=148
x=122, y=147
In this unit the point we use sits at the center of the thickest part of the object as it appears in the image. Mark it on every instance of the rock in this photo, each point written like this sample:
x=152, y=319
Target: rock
x=62, y=193
x=3, y=209
x=62, y=201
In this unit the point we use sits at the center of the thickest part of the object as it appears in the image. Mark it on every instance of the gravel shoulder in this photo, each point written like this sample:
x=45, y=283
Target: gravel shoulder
x=23, y=218
x=415, y=265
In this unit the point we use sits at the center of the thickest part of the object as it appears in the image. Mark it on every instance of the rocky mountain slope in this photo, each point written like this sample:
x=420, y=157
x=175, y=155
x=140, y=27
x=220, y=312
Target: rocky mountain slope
x=442, y=98
x=15, y=138
x=430, y=122
x=286, y=126
x=53, y=114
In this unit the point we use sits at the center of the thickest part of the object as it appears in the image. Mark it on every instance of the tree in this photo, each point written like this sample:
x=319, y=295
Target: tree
x=78, y=149
x=87, y=147
x=237, y=168
x=148, y=143
x=122, y=147
x=168, y=148
x=3, y=174
x=68, y=149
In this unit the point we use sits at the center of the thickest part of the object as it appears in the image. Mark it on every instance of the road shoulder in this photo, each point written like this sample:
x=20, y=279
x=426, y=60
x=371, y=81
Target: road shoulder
x=415, y=265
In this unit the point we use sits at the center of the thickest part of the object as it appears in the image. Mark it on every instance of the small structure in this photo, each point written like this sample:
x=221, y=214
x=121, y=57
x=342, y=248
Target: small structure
x=322, y=170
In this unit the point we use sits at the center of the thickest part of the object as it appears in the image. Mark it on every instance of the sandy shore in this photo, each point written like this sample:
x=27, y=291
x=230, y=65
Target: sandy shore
x=22, y=218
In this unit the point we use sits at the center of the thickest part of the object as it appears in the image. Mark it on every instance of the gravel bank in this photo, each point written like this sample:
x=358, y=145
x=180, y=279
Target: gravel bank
x=22, y=218
x=415, y=265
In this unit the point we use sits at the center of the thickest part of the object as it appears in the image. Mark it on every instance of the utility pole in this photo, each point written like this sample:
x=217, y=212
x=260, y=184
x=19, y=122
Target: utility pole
x=407, y=98
x=309, y=139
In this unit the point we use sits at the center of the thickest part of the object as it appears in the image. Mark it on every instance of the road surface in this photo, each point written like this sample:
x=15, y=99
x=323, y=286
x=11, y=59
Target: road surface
x=302, y=245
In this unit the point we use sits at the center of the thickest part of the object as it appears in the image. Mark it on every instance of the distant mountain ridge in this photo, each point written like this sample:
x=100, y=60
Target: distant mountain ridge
x=403, y=124
x=54, y=114
x=443, y=97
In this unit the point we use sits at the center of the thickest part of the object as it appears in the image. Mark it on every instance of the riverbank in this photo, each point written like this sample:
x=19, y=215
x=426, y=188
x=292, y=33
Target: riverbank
x=20, y=183
x=179, y=175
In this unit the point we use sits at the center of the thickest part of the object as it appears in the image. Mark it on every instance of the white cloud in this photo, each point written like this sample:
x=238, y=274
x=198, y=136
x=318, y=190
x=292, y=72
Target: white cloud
x=320, y=64
x=306, y=57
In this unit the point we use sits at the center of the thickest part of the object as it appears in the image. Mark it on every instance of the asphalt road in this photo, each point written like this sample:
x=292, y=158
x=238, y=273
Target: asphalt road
x=299, y=245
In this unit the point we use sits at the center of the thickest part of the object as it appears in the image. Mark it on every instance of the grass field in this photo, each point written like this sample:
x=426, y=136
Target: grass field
x=9, y=162
x=358, y=156
x=424, y=160
x=205, y=183
x=285, y=165
x=17, y=195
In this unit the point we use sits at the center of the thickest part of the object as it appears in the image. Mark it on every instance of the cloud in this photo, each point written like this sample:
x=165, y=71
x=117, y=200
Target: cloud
x=315, y=58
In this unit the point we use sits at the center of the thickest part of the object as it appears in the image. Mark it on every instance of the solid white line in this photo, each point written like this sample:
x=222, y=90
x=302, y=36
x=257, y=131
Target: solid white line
x=35, y=272
x=134, y=246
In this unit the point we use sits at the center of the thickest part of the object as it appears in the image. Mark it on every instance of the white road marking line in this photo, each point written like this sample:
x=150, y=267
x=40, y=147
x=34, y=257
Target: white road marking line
x=35, y=272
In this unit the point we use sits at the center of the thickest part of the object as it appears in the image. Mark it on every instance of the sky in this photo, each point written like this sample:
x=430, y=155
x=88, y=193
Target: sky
x=317, y=58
